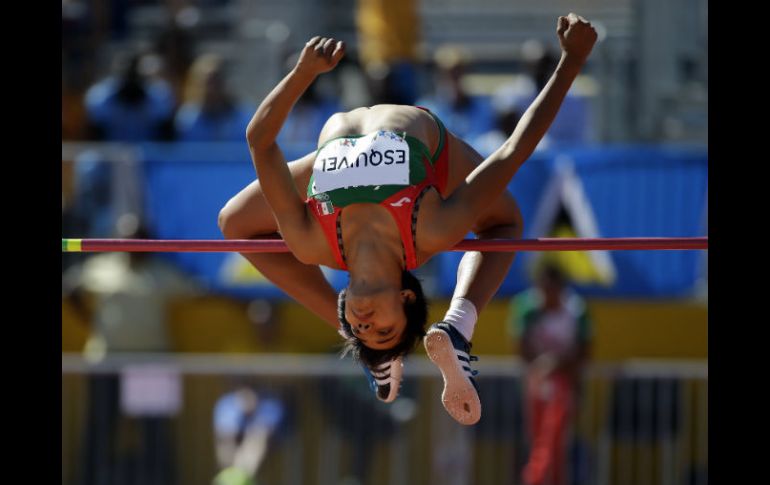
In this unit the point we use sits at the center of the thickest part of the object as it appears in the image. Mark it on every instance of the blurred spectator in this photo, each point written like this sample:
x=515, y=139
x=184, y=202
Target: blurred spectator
x=79, y=38
x=128, y=106
x=506, y=118
x=125, y=296
x=352, y=83
x=92, y=207
x=244, y=421
x=77, y=63
x=465, y=115
x=552, y=324
x=73, y=115
x=572, y=124
x=388, y=36
x=125, y=107
x=210, y=111
x=175, y=44
x=103, y=189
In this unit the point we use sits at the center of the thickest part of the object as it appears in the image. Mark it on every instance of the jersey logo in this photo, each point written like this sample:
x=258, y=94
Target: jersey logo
x=402, y=201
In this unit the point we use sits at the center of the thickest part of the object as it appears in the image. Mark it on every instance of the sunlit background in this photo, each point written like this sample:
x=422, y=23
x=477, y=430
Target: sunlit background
x=157, y=349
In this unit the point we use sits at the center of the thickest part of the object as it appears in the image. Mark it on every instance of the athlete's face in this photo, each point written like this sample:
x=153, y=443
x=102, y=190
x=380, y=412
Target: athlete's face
x=377, y=318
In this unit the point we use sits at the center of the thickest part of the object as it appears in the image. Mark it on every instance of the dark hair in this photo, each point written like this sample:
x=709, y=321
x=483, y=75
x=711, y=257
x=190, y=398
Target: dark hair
x=552, y=273
x=416, y=317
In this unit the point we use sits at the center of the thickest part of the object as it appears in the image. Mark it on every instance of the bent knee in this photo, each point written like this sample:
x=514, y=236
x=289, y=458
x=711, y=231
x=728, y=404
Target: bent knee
x=504, y=217
x=246, y=221
x=223, y=221
x=511, y=230
x=229, y=222
x=509, y=225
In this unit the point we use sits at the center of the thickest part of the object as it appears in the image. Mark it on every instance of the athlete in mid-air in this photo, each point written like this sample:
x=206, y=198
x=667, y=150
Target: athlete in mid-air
x=388, y=188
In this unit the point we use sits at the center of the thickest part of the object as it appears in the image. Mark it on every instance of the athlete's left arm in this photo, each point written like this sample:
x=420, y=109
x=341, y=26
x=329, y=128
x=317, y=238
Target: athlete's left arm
x=319, y=55
x=487, y=181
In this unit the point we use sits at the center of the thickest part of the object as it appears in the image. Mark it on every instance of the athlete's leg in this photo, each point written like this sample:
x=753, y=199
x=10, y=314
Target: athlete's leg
x=247, y=215
x=479, y=275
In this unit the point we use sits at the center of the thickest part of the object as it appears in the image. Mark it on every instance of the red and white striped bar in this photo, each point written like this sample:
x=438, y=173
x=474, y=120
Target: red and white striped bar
x=488, y=245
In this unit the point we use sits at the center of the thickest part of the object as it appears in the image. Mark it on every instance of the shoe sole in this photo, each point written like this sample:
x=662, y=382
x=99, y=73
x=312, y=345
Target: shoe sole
x=459, y=397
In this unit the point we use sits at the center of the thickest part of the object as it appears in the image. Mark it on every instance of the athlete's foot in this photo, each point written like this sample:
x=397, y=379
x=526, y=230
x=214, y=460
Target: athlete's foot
x=385, y=379
x=449, y=350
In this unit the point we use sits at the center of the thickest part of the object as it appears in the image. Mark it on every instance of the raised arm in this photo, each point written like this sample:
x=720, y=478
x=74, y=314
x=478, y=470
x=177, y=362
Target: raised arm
x=487, y=181
x=577, y=38
x=319, y=55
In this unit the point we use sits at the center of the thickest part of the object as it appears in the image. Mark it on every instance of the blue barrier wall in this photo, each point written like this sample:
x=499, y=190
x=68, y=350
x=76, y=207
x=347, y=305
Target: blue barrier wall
x=633, y=191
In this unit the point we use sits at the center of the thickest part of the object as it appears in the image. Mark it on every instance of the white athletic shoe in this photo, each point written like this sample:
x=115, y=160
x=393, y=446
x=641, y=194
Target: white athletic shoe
x=385, y=380
x=449, y=350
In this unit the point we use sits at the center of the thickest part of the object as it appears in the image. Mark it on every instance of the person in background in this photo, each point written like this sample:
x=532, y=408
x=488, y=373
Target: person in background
x=244, y=421
x=388, y=38
x=506, y=118
x=175, y=46
x=465, y=114
x=128, y=106
x=210, y=111
x=573, y=125
x=552, y=325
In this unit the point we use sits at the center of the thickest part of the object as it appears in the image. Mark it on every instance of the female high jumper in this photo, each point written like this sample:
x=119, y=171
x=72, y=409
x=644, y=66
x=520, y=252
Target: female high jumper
x=388, y=188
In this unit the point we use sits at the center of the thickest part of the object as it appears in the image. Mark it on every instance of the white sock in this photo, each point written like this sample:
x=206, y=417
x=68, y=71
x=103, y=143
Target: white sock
x=462, y=315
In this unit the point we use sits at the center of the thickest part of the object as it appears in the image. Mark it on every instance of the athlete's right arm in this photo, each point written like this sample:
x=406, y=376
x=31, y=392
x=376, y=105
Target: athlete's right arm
x=319, y=55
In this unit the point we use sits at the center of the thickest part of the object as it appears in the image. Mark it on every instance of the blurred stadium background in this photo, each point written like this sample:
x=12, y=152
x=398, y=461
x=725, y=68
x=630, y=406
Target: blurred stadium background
x=150, y=344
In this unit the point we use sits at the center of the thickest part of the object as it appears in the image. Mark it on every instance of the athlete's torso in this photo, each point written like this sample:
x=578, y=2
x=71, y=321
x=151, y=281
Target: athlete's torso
x=370, y=159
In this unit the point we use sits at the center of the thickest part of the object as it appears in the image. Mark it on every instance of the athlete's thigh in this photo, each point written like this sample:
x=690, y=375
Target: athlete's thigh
x=463, y=159
x=248, y=212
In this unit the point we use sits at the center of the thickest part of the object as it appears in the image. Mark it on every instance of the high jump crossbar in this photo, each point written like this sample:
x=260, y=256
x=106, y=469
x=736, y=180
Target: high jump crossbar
x=489, y=245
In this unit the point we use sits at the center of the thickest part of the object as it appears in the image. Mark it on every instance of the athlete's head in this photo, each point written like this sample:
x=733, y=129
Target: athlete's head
x=551, y=280
x=381, y=325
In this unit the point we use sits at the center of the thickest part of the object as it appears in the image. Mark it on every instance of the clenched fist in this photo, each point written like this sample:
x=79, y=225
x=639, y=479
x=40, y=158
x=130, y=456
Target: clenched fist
x=576, y=35
x=321, y=54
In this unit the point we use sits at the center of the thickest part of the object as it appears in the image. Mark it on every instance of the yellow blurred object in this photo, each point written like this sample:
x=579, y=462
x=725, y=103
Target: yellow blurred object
x=211, y=324
x=578, y=266
x=236, y=270
x=74, y=329
x=388, y=31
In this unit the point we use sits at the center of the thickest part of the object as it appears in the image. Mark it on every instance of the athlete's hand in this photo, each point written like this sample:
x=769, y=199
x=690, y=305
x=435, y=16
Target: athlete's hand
x=576, y=36
x=321, y=54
